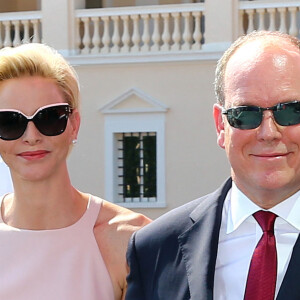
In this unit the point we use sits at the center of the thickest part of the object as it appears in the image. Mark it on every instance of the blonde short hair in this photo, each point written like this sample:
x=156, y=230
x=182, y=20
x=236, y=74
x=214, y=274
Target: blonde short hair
x=40, y=60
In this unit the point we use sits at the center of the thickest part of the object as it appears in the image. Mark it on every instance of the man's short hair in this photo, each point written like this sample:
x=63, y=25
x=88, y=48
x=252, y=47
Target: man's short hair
x=222, y=63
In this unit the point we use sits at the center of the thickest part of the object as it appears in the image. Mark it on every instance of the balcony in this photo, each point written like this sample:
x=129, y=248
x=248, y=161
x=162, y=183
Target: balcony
x=166, y=28
x=20, y=27
x=269, y=15
x=147, y=32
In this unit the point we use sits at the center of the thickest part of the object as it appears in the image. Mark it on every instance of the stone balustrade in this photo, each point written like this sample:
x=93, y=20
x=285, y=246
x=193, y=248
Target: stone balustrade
x=140, y=29
x=20, y=27
x=147, y=30
x=273, y=15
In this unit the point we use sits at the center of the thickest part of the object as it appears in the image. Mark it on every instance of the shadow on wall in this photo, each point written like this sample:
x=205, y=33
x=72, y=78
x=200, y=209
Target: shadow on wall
x=120, y=3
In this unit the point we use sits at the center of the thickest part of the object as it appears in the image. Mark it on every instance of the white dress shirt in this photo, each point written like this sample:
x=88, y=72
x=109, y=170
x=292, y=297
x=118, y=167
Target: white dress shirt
x=239, y=236
x=5, y=179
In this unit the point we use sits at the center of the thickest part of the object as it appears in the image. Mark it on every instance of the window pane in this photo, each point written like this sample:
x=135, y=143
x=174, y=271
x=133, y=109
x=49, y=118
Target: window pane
x=137, y=164
x=131, y=179
x=93, y=3
x=149, y=143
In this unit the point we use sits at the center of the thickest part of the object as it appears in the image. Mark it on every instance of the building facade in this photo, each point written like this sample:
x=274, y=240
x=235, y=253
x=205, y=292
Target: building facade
x=146, y=70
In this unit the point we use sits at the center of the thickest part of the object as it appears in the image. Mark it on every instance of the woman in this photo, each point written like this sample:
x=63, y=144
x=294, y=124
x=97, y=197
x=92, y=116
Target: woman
x=55, y=241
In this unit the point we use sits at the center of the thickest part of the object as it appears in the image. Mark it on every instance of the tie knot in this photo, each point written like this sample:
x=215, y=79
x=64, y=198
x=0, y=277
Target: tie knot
x=265, y=219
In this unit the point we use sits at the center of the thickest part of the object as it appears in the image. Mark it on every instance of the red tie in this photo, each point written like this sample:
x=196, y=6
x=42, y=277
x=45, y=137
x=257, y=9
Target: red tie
x=262, y=274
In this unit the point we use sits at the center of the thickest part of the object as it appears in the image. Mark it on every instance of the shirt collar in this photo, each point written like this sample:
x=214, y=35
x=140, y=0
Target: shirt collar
x=240, y=207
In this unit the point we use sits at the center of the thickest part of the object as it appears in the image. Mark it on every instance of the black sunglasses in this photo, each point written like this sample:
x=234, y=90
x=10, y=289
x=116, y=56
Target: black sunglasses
x=50, y=120
x=250, y=117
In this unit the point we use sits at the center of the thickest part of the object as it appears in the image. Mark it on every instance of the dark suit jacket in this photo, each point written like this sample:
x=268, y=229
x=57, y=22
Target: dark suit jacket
x=174, y=257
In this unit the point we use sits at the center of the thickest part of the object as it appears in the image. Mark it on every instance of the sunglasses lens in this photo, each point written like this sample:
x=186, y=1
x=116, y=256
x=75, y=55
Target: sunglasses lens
x=12, y=125
x=288, y=114
x=52, y=121
x=244, y=117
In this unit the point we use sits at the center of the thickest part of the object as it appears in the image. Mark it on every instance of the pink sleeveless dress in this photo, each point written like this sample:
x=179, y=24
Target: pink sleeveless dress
x=60, y=264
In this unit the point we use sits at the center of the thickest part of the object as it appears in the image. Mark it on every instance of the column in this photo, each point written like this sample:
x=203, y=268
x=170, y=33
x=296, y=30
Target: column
x=221, y=24
x=59, y=28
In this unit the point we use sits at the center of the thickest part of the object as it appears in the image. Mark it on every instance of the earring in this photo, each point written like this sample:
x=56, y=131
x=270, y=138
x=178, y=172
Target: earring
x=74, y=141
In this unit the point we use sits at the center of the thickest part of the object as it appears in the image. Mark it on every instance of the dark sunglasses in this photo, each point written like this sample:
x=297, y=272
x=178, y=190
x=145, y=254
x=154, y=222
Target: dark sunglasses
x=50, y=120
x=250, y=117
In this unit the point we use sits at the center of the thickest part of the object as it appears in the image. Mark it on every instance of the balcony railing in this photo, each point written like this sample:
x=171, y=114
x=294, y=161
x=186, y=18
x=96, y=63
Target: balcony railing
x=150, y=30
x=140, y=29
x=269, y=15
x=20, y=27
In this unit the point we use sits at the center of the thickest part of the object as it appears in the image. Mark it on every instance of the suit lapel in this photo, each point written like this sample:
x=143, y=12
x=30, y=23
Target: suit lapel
x=290, y=287
x=199, y=244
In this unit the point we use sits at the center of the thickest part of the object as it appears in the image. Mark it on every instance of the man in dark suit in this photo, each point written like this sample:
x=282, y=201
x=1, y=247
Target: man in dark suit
x=240, y=242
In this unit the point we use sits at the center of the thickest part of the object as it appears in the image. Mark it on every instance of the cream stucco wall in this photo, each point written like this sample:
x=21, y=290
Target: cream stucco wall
x=195, y=165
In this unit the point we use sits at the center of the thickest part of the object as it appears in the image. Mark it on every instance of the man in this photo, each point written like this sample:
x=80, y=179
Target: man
x=213, y=247
x=5, y=179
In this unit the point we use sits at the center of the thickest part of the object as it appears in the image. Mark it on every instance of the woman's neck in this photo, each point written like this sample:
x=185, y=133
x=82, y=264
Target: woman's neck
x=38, y=205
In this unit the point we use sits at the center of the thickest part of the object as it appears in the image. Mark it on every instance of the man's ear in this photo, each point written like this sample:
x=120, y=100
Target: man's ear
x=219, y=123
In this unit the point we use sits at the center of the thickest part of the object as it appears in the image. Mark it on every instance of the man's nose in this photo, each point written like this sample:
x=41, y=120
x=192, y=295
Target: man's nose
x=268, y=129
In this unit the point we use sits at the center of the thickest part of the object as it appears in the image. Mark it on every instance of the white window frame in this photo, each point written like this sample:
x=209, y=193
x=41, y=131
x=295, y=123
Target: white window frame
x=147, y=119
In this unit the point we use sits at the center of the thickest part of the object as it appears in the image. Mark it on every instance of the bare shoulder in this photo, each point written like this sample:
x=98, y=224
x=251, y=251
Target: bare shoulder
x=115, y=225
x=120, y=220
x=113, y=229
